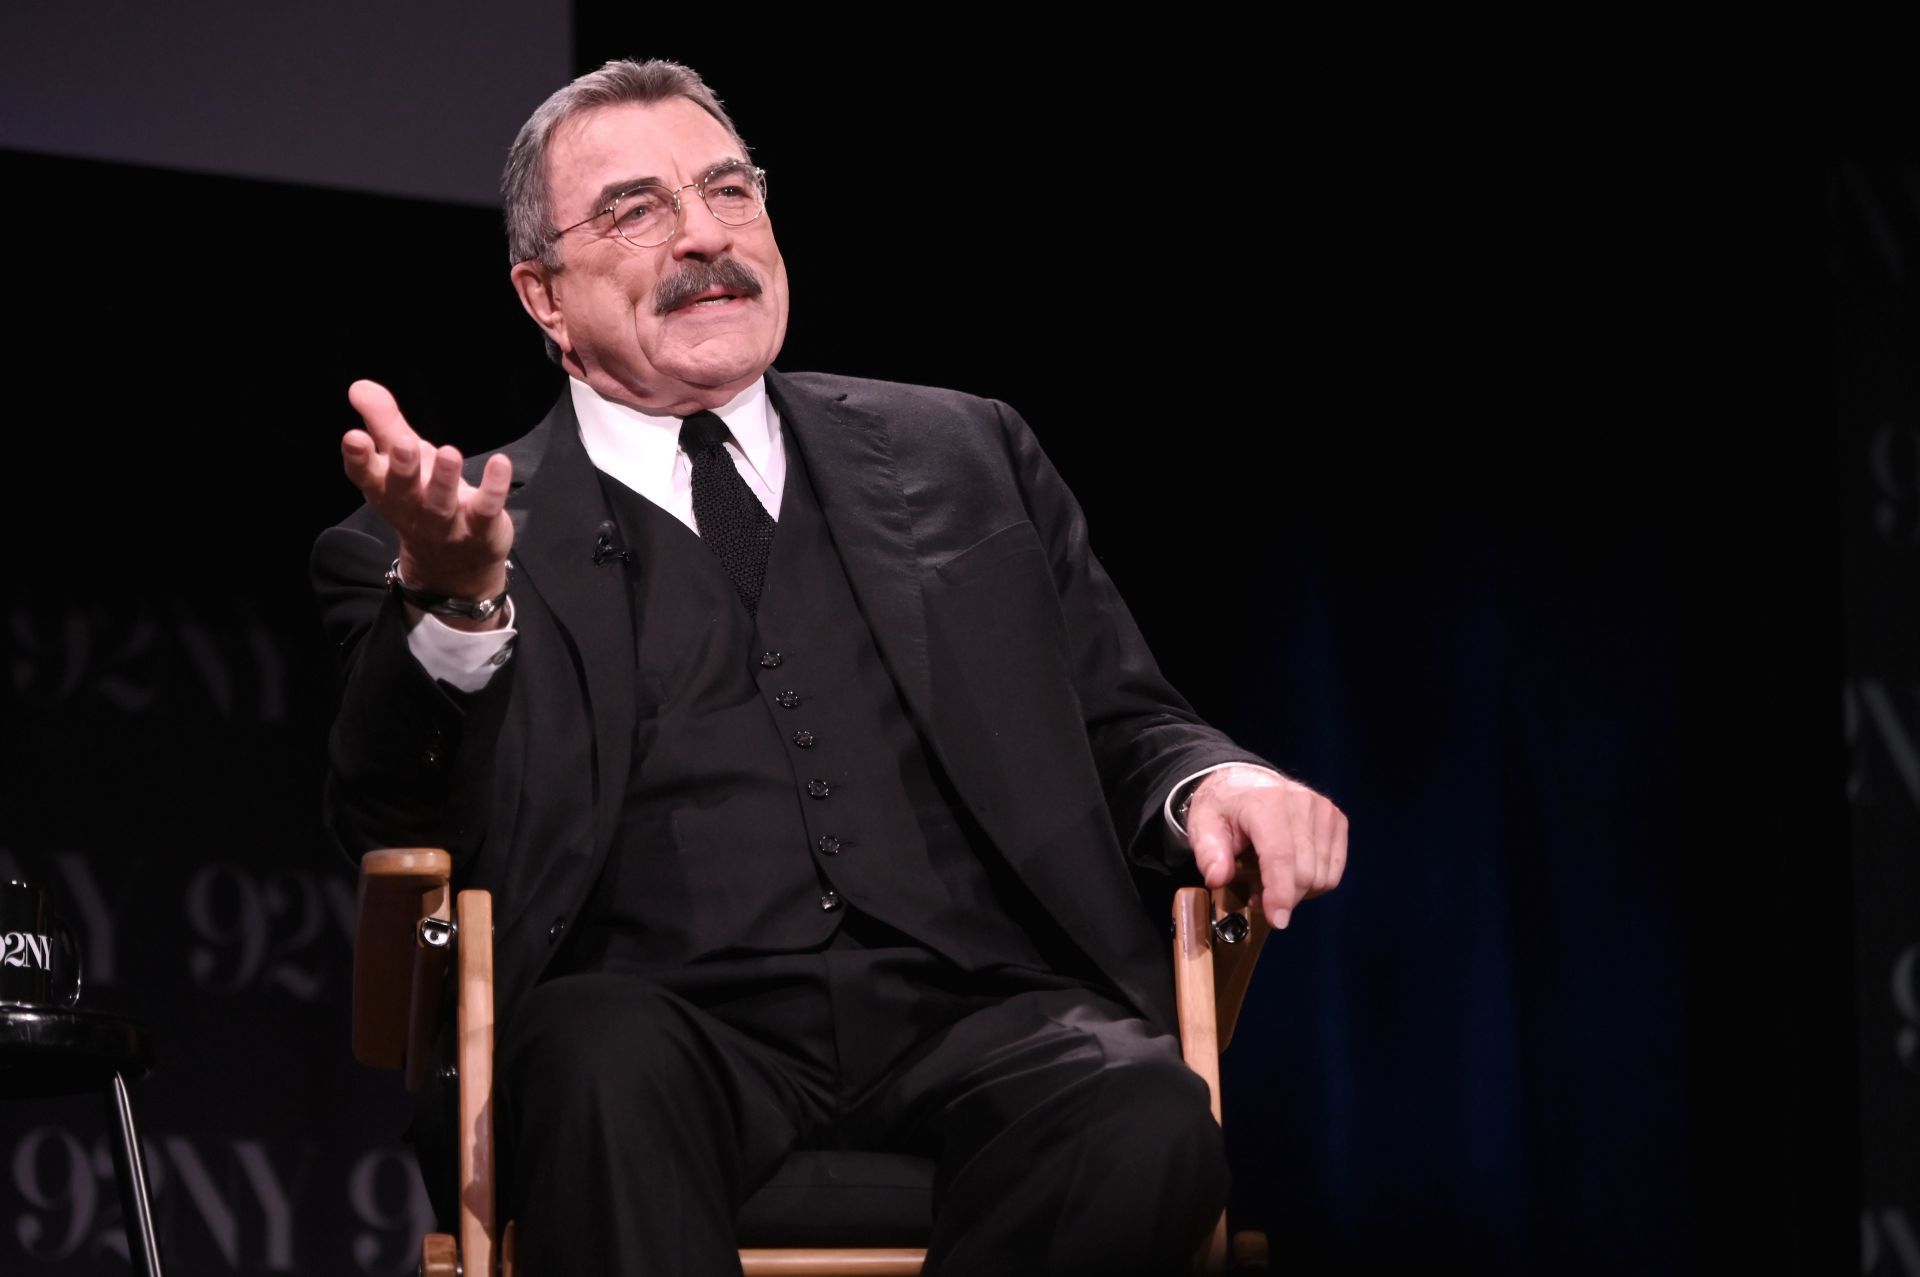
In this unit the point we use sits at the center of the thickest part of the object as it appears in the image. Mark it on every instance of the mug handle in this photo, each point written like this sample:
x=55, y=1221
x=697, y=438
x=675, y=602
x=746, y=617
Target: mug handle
x=73, y=948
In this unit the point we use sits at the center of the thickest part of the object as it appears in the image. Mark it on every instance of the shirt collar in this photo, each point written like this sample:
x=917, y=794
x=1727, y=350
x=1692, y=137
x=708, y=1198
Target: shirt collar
x=624, y=441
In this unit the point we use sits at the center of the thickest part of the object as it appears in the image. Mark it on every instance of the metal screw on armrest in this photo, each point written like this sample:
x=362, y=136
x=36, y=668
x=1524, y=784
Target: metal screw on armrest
x=1230, y=928
x=436, y=933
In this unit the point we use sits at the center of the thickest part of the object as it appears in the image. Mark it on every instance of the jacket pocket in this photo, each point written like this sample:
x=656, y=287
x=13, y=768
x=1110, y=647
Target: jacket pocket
x=993, y=552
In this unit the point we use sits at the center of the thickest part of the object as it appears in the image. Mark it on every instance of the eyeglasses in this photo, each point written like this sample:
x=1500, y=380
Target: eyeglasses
x=647, y=216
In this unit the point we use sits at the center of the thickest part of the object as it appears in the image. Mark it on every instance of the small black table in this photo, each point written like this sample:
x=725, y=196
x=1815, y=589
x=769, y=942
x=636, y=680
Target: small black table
x=46, y=1051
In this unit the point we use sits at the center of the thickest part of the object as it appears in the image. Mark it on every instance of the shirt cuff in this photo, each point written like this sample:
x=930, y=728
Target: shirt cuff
x=463, y=659
x=1176, y=797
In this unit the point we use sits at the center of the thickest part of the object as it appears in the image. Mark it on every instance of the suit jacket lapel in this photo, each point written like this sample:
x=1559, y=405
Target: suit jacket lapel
x=865, y=498
x=557, y=512
x=849, y=457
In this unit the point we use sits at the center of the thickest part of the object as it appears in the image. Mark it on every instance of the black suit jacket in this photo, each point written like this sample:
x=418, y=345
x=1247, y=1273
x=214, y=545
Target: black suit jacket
x=1013, y=652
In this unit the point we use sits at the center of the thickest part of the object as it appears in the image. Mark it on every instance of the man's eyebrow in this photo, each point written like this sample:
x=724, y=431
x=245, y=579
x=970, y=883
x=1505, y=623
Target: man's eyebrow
x=614, y=190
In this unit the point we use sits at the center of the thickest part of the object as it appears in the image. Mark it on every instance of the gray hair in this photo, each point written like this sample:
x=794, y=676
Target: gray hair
x=523, y=186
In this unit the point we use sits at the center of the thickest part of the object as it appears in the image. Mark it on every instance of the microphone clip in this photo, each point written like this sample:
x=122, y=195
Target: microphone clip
x=604, y=549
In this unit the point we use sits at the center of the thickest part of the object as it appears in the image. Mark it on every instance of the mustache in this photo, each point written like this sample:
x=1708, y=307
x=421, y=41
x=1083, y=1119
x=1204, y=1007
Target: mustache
x=697, y=277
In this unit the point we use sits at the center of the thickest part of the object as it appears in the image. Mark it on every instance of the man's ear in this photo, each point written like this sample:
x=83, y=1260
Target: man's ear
x=535, y=284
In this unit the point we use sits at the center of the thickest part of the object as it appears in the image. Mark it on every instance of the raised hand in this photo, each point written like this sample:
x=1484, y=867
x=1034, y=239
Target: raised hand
x=1298, y=837
x=454, y=536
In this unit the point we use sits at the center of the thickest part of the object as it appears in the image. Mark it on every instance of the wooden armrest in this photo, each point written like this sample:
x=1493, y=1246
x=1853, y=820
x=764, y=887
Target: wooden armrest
x=1209, y=982
x=473, y=924
x=1210, y=975
x=395, y=982
x=397, y=890
x=1233, y=963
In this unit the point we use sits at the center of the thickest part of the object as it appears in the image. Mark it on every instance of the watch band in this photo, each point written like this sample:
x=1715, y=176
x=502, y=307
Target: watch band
x=446, y=604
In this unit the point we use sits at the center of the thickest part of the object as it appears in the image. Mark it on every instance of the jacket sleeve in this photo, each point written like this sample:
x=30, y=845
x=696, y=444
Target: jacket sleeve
x=1144, y=736
x=408, y=757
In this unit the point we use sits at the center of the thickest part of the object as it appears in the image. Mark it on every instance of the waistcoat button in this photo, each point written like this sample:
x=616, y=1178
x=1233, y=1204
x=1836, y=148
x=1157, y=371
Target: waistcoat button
x=770, y=660
x=804, y=739
x=828, y=845
x=829, y=900
x=819, y=788
x=558, y=929
x=787, y=700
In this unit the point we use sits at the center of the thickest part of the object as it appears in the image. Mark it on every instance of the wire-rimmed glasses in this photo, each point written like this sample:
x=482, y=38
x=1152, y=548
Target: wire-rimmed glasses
x=647, y=215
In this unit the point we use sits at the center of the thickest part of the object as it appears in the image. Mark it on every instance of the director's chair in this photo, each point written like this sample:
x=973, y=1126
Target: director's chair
x=413, y=934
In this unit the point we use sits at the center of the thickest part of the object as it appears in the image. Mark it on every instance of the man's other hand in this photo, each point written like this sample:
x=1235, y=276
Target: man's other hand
x=1298, y=837
x=454, y=537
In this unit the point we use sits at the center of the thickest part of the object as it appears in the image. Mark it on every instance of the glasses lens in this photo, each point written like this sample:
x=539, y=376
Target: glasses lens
x=645, y=215
x=736, y=194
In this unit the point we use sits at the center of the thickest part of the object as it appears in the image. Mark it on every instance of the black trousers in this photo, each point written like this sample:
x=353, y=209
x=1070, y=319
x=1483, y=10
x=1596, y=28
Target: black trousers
x=637, y=1112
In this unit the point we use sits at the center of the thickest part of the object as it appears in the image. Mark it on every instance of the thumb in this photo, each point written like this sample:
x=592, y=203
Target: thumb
x=380, y=412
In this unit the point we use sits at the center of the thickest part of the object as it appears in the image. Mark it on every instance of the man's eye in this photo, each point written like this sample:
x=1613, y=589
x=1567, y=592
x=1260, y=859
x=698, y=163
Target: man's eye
x=637, y=209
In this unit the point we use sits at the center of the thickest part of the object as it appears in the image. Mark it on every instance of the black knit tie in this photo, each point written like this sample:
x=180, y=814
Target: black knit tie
x=730, y=519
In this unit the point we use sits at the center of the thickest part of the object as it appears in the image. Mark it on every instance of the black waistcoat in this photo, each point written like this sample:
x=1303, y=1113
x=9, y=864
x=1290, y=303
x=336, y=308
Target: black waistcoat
x=779, y=784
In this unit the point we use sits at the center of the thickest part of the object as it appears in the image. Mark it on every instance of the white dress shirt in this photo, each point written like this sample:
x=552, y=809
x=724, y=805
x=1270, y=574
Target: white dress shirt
x=643, y=451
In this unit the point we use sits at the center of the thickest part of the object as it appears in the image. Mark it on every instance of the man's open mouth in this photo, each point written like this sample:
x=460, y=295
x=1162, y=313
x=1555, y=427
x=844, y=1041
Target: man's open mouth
x=708, y=284
x=711, y=297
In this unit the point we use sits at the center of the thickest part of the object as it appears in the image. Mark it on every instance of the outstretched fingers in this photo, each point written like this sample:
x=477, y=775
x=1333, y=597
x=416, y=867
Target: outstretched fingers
x=382, y=458
x=454, y=536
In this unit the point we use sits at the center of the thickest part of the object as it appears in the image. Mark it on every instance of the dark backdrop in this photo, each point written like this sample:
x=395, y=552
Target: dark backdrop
x=1447, y=432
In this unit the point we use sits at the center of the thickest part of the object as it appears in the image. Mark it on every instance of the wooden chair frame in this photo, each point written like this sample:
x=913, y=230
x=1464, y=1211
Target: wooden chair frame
x=410, y=934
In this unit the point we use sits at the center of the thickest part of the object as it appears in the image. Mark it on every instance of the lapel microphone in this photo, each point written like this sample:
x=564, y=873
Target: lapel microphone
x=604, y=549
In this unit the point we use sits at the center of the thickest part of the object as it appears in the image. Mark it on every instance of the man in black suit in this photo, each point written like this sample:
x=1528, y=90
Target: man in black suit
x=816, y=839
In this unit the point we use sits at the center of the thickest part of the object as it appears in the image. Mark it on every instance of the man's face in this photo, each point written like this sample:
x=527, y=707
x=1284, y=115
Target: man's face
x=622, y=314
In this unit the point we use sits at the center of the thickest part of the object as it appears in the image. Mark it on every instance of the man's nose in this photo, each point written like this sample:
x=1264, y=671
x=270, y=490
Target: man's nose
x=700, y=233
